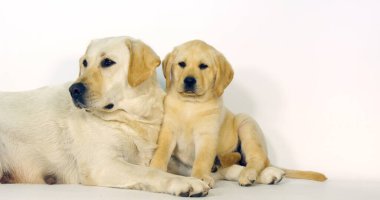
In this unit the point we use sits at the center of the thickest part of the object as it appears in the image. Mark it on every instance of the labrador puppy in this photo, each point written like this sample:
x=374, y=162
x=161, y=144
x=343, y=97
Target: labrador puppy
x=197, y=128
x=100, y=130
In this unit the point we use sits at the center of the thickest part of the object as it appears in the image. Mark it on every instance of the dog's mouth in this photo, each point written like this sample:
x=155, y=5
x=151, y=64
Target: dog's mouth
x=79, y=103
x=82, y=105
x=190, y=93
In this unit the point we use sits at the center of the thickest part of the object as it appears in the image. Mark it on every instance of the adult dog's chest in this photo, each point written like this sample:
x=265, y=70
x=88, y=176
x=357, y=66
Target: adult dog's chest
x=133, y=142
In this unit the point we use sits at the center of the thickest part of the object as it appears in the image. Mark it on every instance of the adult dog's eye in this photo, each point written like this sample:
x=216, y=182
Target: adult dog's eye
x=203, y=66
x=84, y=63
x=107, y=62
x=182, y=64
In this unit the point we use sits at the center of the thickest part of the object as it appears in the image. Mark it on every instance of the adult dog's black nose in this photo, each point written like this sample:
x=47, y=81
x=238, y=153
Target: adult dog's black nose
x=77, y=91
x=189, y=82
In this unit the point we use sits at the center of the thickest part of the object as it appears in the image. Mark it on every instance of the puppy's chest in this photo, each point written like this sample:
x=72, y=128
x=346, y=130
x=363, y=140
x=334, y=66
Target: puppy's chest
x=183, y=127
x=187, y=121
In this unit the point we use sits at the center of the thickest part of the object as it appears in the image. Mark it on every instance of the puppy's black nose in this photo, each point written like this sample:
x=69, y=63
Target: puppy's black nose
x=77, y=90
x=190, y=81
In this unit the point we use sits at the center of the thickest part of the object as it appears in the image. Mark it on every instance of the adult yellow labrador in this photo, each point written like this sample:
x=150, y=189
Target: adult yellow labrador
x=197, y=127
x=100, y=130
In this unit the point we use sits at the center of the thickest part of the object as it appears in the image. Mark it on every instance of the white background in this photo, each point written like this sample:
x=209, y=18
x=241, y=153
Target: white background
x=308, y=71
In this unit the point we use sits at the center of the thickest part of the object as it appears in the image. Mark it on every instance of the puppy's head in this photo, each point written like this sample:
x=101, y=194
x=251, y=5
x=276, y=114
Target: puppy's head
x=196, y=69
x=110, y=68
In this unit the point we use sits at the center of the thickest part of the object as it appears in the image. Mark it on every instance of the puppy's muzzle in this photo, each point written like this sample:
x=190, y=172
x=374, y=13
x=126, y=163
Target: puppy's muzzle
x=77, y=92
x=189, y=84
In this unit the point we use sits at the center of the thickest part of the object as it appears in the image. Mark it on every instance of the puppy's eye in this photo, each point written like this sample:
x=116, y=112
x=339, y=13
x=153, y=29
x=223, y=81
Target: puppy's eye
x=182, y=64
x=107, y=62
x=84, y=63
x=203, y=66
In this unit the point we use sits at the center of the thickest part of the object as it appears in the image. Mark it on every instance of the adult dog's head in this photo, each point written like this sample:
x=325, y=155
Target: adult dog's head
x=110, y=68
x=197, y=70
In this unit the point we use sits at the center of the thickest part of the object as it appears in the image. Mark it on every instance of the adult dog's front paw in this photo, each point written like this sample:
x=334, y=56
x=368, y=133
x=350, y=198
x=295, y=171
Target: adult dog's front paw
x=187, y=187
x=247, y=177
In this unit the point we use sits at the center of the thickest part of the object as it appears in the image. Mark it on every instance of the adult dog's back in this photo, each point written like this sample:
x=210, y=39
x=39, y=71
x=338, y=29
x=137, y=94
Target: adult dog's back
x=33, y=135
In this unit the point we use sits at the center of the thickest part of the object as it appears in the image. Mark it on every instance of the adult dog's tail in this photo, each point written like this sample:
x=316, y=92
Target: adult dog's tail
x=309, y=175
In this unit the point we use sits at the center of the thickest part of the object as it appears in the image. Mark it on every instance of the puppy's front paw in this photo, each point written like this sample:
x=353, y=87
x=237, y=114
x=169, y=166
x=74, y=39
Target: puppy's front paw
x=247, y=177
x=188, y=187
x=271, y=175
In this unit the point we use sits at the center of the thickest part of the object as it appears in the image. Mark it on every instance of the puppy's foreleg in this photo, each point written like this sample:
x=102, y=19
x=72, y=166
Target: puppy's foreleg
x=252, y=148
x=166, y=145
x=205, y=152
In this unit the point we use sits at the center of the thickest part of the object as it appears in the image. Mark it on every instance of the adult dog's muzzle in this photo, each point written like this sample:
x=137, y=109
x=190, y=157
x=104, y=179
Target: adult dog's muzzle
x=77, y=92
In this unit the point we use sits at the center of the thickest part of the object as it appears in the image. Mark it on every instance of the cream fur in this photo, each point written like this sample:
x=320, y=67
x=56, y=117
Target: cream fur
x=42, y=132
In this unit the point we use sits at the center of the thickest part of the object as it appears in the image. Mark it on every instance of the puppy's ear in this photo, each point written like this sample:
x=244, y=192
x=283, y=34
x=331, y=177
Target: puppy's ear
x=224, y=74
x=167, y=68
x=143, y=62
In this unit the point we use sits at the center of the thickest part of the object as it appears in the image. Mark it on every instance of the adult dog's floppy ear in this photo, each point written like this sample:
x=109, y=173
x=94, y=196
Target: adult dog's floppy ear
x=167, y=64
x=224, y=74
x=143, y=62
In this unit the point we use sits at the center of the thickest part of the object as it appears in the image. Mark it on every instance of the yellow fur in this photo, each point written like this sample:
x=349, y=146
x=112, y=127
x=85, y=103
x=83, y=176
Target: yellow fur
x=143, y=62
x=310, y=175
x=197, y=127
x=229, y=159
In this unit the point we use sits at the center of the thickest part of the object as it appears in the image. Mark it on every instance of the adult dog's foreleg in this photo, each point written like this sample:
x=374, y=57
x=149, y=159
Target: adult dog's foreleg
x=120, y=174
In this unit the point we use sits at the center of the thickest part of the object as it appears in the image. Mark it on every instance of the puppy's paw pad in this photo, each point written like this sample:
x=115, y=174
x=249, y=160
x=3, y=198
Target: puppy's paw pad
x=188, y=187
x=209, y=181
x=199, y=195
x=247, y=177
x=271, y=176
x=184, y=194
x=250, y=183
